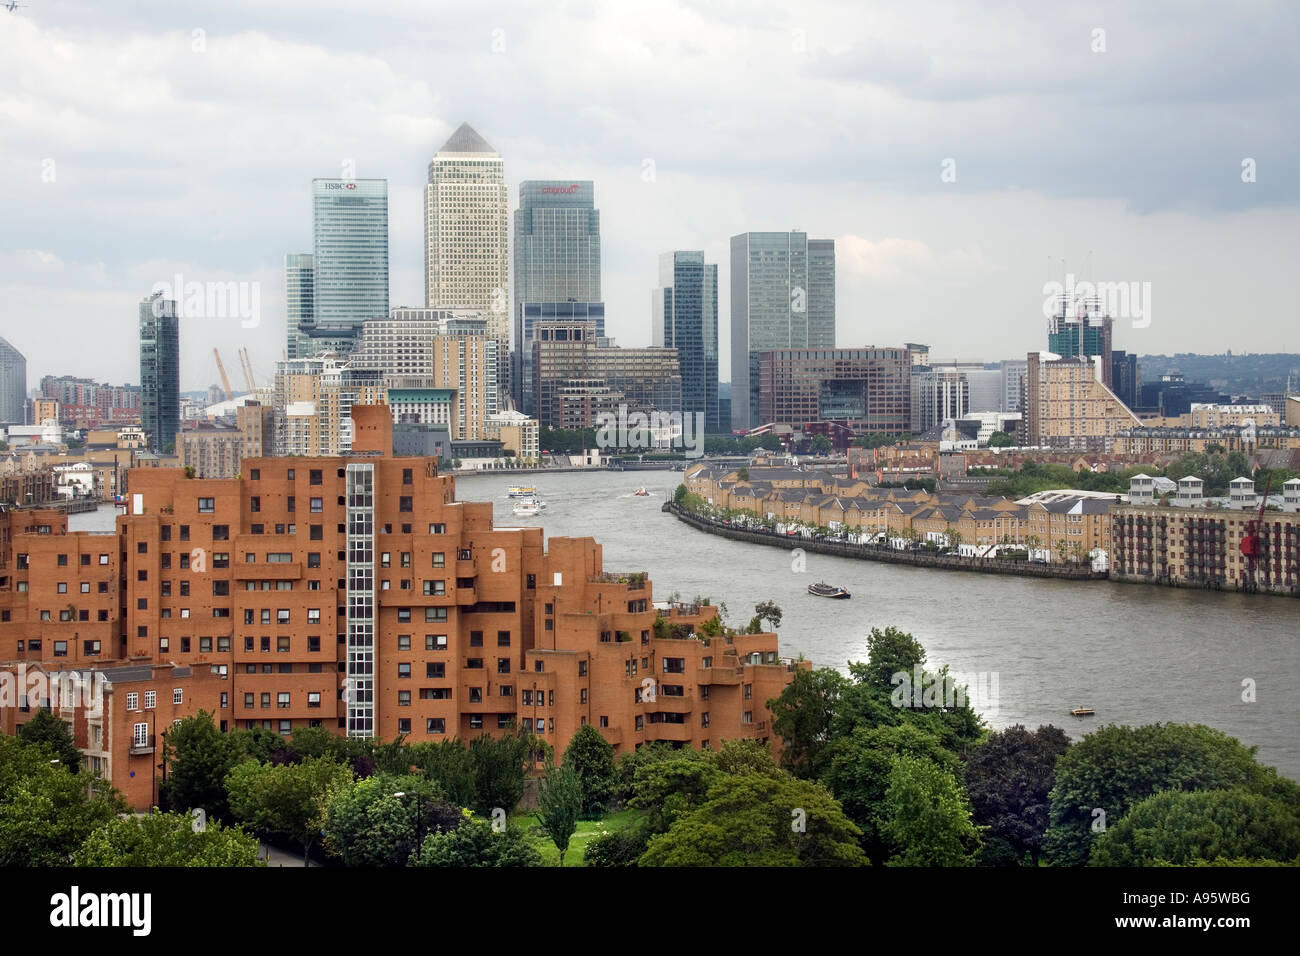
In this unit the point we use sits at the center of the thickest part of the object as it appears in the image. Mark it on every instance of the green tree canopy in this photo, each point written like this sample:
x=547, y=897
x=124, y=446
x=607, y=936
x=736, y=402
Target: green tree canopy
x=198, y=757
x=927, y=817
x=1183, y=828
x=368, y=824
x=449, y=764
x=591, y=757
x=1117, y=767
x=559, y=804
x=475, y=843
x=802, y=716
x=1008, y=779
x=54, y=736
x=287, y=800
x=1001, y=440
x=46, y=813
x=500, y=768
x=669, y=789
x=754, y=819
x=167, y=839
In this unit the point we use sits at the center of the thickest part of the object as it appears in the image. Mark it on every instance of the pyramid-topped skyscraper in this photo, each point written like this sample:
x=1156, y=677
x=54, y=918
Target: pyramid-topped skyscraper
x=466, y=230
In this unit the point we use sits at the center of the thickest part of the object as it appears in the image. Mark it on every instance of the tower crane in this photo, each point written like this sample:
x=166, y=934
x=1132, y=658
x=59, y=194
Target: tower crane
x=246, y=364
x=225, y=379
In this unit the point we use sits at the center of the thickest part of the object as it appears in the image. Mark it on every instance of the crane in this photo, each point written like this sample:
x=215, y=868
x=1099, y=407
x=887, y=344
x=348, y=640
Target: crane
x=246, y=365
x=1250, y=541
x=225, y=379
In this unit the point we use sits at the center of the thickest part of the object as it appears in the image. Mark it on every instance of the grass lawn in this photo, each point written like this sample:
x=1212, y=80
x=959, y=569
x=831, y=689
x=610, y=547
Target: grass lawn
x=587, y=831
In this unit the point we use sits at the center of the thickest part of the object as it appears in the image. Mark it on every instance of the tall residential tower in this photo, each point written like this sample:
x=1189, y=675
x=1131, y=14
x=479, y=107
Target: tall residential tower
x=160, y=371
x=13, y=386
x=684, y=316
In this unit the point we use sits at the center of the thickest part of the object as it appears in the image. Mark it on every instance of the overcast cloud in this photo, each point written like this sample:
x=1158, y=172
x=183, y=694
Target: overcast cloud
x=133, y=148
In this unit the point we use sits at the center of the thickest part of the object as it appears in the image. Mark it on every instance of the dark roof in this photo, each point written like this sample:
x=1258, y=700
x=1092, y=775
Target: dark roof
x=466, y=140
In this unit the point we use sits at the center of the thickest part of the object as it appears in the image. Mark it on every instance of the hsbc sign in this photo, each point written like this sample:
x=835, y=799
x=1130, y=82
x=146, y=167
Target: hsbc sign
x=340, y=185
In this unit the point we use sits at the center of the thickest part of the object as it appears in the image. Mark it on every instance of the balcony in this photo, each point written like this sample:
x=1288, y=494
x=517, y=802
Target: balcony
x=672, y=705
x=138, y=748
x=718, y=675
x=268, y=571
x=674, y=732
x=635, y=580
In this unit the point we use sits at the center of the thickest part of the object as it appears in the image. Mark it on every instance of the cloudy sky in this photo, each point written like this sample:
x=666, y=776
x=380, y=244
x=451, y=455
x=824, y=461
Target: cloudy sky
x=956, y=152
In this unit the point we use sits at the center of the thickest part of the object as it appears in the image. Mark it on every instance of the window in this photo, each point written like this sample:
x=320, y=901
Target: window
x=132, y=701
x=435, y=669
x=405, y=503
x=385, y=559
x=205, y=645
x=604, y=721
x=221, y=532
x=474, y=663
x=476, y=695
x=404, y=614
x=313, y=559
x=223, y=644
x=282, y=644
x=582, y=696
x=749, y=692
x=403, y=725
x=313, y=698
x=531, y=583
x=164, y=644
x=314, y=477
x=255, y=474
x=255, y=503
x=404, y=670
x=313, y=615
x=266, y=644
x=289, y=474
x=435, y=588
x=503, y=638
x=439, y=559
x=282, y=615
x=403, y=698
x=63, y=587
x=526, y=698
x=266, y=701
x=539, y=666
x=748, y=717
x=475, y=638
x=150, y=699
x=282, y=700
x=407, y=476
x=279, y=557
x=316, y=505
x=436, y=615
x=185, y=534
x=248, y=700
x=503, y=665
x=207, y=505
x=640, y=722
x=185, y=645
x=403, y=642
x=503, y=721
x=437, y=529
x=316, y=532
x=435, y=642
x=140, y=735
x=60, y=648
x=221, y=589
x=704, y=720
x=476, y=722
x=313, y=643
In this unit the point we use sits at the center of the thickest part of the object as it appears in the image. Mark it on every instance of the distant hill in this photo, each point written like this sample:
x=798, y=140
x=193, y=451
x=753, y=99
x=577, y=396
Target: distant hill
x=1249, y=374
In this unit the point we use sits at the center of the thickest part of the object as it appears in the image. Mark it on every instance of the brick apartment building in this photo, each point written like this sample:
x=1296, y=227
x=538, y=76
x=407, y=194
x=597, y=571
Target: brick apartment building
x=356, y=593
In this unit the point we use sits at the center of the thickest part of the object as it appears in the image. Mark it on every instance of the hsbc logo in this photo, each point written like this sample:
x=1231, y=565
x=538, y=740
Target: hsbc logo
x=560, y=190
x=340, y=185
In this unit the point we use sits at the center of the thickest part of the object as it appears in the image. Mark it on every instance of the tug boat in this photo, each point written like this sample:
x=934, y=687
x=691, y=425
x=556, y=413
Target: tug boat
x=1082, y=712
x=822, y=589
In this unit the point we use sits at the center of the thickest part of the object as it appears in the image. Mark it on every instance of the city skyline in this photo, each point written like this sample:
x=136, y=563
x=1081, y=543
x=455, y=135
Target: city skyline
x=959, y=263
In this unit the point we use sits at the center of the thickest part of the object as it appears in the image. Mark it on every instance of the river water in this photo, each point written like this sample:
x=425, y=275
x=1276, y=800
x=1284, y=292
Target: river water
x=1134, y=653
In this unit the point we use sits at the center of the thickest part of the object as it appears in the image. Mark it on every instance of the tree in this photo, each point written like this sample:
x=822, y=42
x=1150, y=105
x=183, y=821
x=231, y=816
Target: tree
x=1033, y=542
x=857, y=769
x=671, y=788
x=54, y=737
x=753, y=819
x=559, y=803
x=449, y=764
x=1183, y=828
x=743, y=756
x=927, y=817
x=591, y=757
x=743, y=474
x=1001, y=440
x=821, y=445
x=873, y=440
x=1099, y=779
x=167, y=839
x=889, y=652
x=955, y=538
x=802, y=716
x=1008, y=779
x=500, y=766
x=618, y=847
x=46, y=813
x=765, y=611
x=198, y=757
x=287, y=800
x=369, y=824
x=475, y=843
x=679, y=496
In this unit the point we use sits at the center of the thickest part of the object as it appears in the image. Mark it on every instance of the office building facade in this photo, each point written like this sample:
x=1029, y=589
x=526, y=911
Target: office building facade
x=868, y=389
x=13, y=386
x=299, y=307
x=160, y=371
x=782, y=297
x=684, y=316
x=350, y=251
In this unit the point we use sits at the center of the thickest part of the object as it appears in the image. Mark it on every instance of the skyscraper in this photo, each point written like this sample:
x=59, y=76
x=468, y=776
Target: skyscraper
x=160, y=371
x=299, y=308
x=13, y=386
x=467, y=229
x=684, y=316
x=349, y=281
x=782, y=296
x=557, y=260
x=1080, y=328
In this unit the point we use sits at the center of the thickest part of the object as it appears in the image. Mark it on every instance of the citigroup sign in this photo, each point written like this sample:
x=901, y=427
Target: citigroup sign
x=560, y=190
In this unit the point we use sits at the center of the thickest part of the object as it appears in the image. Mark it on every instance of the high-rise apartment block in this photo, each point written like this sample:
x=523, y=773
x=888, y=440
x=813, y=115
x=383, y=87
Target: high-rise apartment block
x=684, y=316
x=1067, y=405
x=313, y=401
x=160, y=371
x=1080, y=328
x=300, y=308
x=466, y=222
x=466, y=359
x=13, y=386
x=782, y=297
x=557, y=264
x=868, y=389
x=357, y=594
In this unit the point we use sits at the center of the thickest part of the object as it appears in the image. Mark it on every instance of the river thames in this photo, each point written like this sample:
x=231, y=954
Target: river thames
x=1135, y=654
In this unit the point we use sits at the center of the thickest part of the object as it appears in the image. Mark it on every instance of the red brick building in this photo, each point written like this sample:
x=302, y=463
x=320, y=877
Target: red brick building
x=358, y=594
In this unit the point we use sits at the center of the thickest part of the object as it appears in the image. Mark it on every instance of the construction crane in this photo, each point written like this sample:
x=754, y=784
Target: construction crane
x=1250, y=541
x=225, y=379
x=246, y=365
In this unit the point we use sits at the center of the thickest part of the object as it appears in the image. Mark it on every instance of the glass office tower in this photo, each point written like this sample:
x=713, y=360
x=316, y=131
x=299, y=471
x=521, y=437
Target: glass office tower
x=782, y=296
x=557, y=266
x=160, y=371
x=350, y=250
x=299, y=307
x=684, y=315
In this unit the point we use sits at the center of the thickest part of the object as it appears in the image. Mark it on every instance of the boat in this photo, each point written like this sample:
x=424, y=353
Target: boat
x=528, y=507
x=1082, y=712
x=522, y=491
x=641, y=493
x=822, y=589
